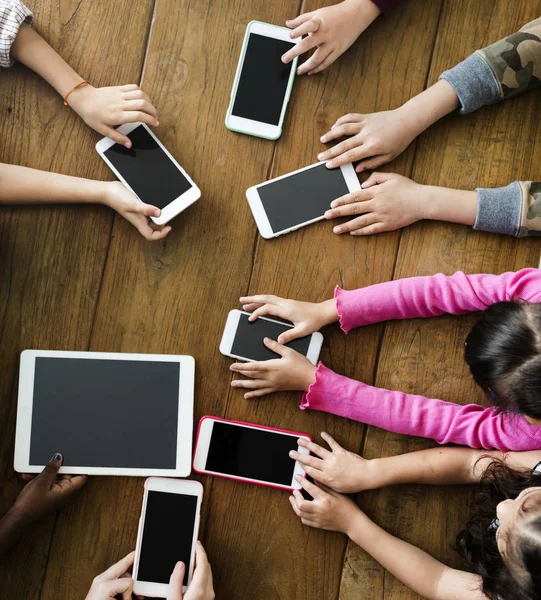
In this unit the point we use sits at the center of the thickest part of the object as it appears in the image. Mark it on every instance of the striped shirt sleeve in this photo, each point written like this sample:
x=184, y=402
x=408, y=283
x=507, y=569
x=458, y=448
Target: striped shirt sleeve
x=13, y=14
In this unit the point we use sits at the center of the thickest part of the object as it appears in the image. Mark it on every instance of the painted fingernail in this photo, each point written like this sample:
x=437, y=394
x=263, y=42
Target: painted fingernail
x=57, y=457
x=320, y=156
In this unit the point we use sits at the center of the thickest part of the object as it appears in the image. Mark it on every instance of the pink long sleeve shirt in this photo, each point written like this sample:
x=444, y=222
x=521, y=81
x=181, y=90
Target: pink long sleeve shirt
x=445, y=422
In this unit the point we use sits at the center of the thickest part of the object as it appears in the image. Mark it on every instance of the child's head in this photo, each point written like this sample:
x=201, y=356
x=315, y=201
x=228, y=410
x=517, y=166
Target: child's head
x=503, y=351
x=508, y=558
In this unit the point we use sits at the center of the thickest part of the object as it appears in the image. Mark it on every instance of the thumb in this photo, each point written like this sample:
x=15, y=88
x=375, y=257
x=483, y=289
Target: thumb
x=377, y=178
x=148, y=210
x=49, y=473
x=289, y=334
x=275, y=346
x=174, y=591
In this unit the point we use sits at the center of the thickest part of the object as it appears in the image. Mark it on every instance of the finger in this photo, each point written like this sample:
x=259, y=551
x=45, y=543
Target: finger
x=122, y=586
x=27, y=477
x=300, y=48
x=116, y=136
x=137, y=116
x=147, y=209
x=250, y=307
x=314, y=61
x=250, y=374
x=360, y=152
x=276, y=347
x=306, y=459
x=71, y=484
x=371, y=229
x=355, y=208
x=308, y=26
x=129, y=87
x=327, y=61
x=294, y=507
x=293, y=23
x=373, y=162
x=259, y=299
x=143, y=227
x=312, y=489
x=137, y=94
x=314, y=448
x=116, y=570
x=341, y=148
x=250, y=367
x=333, y=444
x=174, y=590
x=349, y=118
x=259, y=393
x=50, y=471
x=358, y=196
x=268, y=309
x=249, y=384
x=340, y=131
x=142, y=106
x=289, y=335
x=358, y=223
x=306, y=507
x=377, y=178
x=202, y=566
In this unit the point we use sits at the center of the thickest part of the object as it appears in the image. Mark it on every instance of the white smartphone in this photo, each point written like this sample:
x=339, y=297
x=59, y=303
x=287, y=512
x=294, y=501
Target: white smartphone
x=150, y=171
x=263, y=83
x=243, y=339
x=167, y=533
x=297, y=199
x=248, y=452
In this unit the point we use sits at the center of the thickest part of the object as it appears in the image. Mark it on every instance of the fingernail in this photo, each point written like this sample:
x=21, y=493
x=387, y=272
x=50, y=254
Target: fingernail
x=330, y=165
x=362, y=185
x=157, y=212
x=336, y=230
x=127, y=144
x=57, y=457
x=333, y=126
x=328, y=214
x=333, y=203
x=323, y=138
x=293, y=454
x=179, y=565
x=299, y=72
x=298, y=477
x=157, y=122
x=320, y=156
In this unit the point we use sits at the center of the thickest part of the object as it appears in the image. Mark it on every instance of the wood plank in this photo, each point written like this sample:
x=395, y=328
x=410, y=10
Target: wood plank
x=52, y=258
x=174, y=296
x=491, y=148
x=265, y=552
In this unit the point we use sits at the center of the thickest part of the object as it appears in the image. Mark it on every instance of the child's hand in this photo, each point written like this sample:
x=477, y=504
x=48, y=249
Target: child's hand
x=116, y=581
x=292, y=371
x=136, y=212
x=375, y=139
x=386, y=202
x=328, y=509
x=339, y=469
x=307, y=317
x=104, y=108
x=331, y=30
x=45, y=493
x=201, y=587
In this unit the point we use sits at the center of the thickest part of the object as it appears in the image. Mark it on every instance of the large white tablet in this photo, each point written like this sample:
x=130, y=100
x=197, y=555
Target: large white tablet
x=107, y=413
x=297, y=199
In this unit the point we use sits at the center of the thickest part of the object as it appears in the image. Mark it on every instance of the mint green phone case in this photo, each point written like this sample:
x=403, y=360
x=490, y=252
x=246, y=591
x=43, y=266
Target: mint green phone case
x=236, y=82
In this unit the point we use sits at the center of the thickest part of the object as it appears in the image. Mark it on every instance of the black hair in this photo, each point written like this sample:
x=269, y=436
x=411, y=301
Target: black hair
x=503, y=351
x=477, y=542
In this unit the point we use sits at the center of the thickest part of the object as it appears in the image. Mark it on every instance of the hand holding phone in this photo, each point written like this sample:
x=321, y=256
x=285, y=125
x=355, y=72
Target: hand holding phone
x=201, y=587
x=291, y=372
x=307, y=317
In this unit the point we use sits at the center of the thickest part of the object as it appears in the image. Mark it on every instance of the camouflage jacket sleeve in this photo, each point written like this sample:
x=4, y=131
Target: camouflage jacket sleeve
x=514, y=209
x=506, y=68
x=13, y=14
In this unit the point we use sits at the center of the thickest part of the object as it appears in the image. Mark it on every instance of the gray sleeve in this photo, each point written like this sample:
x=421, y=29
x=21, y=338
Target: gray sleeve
x=474, y=83
x=500, y=210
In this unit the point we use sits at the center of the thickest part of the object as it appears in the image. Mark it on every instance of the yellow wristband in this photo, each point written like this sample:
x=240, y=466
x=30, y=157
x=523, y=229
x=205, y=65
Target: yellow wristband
x=84, y=82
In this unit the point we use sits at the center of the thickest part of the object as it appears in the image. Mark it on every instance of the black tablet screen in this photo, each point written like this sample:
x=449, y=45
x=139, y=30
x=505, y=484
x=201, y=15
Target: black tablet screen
x=301, y=197
x=105, y=413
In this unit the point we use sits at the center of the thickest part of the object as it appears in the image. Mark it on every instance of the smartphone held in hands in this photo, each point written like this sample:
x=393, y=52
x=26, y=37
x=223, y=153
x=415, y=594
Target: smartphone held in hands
x=149, y=171
x=263, y=83
x=248, y=452
x=167, y=533
x=299, y=198
x=243, y=339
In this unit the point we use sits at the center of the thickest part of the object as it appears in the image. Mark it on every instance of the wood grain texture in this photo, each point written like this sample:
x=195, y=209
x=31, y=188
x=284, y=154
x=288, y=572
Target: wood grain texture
x=52, y=258
x=490, y=148
x=284, y=558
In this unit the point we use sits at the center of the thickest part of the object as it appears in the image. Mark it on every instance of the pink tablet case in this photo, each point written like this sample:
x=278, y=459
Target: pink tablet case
x=272, y=485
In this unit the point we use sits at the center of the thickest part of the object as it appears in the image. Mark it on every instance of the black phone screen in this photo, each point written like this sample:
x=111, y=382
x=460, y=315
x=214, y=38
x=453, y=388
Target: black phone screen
x=248, y=340
x=263, y=80
x=301, y=197
x=167, y=535
x=147, y=169
x=252, y=453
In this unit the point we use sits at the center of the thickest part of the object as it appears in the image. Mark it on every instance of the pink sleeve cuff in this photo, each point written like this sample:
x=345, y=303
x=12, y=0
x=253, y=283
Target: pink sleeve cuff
x=312, y=390
x=338, y=296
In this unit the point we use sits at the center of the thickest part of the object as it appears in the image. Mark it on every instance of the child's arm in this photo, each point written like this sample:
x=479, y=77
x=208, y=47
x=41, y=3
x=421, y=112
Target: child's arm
x=21, y=185
x=100, y=108
x=418, y=570
x=506, y=68
x=347, y=472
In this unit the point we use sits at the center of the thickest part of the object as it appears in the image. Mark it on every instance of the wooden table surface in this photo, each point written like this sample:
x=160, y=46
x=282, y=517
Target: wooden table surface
x=81, y=278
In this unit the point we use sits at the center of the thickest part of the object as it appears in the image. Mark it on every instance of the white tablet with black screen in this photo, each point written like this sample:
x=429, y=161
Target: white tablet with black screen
x=107, y=413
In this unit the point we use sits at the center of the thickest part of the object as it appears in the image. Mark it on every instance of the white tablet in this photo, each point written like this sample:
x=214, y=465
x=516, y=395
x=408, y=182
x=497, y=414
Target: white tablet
x=297, y=199
x=149, y=171
x=107, y=413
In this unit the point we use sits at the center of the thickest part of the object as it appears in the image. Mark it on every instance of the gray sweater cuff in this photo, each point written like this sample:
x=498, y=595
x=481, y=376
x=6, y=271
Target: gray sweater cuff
x=499, y=209
x=474, y=82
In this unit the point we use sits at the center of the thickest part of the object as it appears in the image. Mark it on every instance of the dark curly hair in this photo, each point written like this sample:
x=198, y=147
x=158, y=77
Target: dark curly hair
x=503, y=351
x=518, y=576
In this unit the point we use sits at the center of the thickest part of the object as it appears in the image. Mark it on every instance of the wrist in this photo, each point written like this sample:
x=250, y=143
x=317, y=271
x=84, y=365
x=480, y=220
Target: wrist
x=328, y=312
x=78, y=98
x=352, y=520
x=365, y=11
x=309, y=377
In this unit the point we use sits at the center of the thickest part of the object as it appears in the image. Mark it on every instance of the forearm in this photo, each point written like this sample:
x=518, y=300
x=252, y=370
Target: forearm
x=21, y=185
x=455, y=206
x=33, y=51
x=11, y=530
